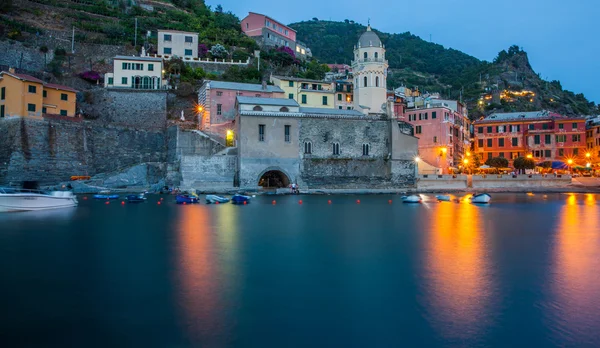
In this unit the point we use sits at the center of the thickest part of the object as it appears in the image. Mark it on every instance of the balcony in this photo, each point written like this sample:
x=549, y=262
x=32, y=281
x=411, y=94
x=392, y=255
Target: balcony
x=370, y=60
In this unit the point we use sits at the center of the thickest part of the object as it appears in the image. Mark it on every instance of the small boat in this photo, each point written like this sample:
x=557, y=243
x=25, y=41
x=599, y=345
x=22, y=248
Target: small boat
x=443, y=198
x=106, y=196
x=481, y=198
x=136, y=198
x=14, y=199
x=240, y=199
x=80, y=177
x=187, y=199
x=412, y=199
x=211, y=199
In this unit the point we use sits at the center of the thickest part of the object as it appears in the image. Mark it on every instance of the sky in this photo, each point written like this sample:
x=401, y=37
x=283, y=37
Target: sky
x=562, y=38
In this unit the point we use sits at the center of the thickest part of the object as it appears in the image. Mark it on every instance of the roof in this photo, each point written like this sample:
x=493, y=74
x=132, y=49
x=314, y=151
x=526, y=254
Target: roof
x=61, y=87
x=337, y=112
x=237, y=86
x=299, y=79
x=23, y=77
x=274, y=20
x=177, y=31
x=521, y=116
x=150, y=59
x=267, y=101
x=369, y=38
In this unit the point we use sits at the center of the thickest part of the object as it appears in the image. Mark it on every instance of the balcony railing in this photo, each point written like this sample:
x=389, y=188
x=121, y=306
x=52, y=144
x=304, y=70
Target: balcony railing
x=369, y=60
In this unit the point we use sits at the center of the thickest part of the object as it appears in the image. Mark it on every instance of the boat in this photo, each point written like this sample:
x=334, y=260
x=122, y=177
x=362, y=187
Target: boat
x=443, y=198
x=240, y=199
x=412, y=199
x=106, y=196
x=14, y=199
x=211, y=199
x=481, y=198
x=186, y=199
x=80, y=177
x=136, y=198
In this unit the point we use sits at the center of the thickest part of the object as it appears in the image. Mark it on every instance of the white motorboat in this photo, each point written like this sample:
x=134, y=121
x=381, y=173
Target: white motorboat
x=412, y=199
x=481, y=198
x=213, y=199
x=443, y=198
x=13, y=199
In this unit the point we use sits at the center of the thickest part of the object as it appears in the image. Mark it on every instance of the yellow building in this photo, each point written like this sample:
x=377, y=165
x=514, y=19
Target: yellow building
x=26, y=96
x=307, y=93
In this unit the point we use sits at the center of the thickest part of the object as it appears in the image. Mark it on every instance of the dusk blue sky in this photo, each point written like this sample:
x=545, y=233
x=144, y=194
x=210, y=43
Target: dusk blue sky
x=562, y=38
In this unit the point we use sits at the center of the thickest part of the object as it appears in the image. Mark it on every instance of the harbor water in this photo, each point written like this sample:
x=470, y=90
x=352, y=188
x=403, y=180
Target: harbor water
x=522, y=271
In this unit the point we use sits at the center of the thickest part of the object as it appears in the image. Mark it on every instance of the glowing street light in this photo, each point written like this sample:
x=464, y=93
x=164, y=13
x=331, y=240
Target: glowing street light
x=466, y=161
x=199, y=108
x=570, y=161
x=529, y=155
x=468, y=153
x=588, y=165
x=417, y=159
x=588, y=155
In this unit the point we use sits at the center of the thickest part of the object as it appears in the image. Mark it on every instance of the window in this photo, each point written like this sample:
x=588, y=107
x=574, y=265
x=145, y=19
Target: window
x=545, y=126
x=324, y=100
x=167, y=37
x=219, y=109
x=64, y=96
x=531, y=127
x=291, y=96
x=339, y=96
x=189, y=39
x=501, y=154
x=547, y=139
x=3, y=93
x=420, y=117
x=257, y=108
x=576, y=137
x=425, y=116
x=365, y=81
x=365, y=149
x=515, y=141
x=336, y=149
x=575, y=152
x=435, y=139
x=434, y=116
x=489, y=129
x=574, y=125
x=376, y=55
x=188, y=52
x=257, y=95
x=291, y=83
x=304, y=99
x=365, y=55
x=139, y=66
x=286, y=32
x=219, y=93
x=501, y=142
x=31, y=107
x=480, y=130
x=561, y=126
x=44, y=111
x=1, y=111
x=536, y=139
x=125, y=66
x=45, y=94
x=284, y=109
x=561, y=152
x=418, y=129
x=489, y=143
x=376, y=81
x=561, y=138
x=261, y=132
x=32, y=89
x=63, y=112
x=287, y=133
x=489, y=155
x=547, y=153
x=349, y=108
x=123, y=80
x=307, y=147
x=247, y=26
x=480, y=143
x=167, y=50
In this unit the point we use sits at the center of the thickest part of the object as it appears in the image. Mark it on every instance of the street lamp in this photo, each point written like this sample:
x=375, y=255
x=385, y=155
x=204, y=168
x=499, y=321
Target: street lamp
x=417, y=159
x=588, y=155
x=570, y=162
x=529, y=155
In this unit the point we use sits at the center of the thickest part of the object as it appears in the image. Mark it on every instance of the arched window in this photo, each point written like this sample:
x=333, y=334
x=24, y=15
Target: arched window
x=365, y=149
x=376, y=81
x=366, y=55
x=307, y=147
x=336, y=149
x=284, y=109
x=257, y=108
x=376, y=55
x=365, y=81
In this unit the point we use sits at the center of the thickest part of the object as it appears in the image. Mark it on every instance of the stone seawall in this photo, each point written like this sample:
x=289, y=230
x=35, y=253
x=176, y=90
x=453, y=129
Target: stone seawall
x=50, y=151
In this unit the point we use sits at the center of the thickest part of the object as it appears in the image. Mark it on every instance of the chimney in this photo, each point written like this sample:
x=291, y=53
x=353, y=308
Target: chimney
x=11, y=70
x=264, y=85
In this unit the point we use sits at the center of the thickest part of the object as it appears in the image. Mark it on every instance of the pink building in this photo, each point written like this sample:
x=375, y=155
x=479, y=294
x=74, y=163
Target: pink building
x=268, y=31
x=443, y=129
x=217, y=101
x=340, y=68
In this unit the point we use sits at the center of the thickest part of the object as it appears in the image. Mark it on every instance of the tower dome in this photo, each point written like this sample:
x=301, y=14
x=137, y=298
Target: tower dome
x=369, y=39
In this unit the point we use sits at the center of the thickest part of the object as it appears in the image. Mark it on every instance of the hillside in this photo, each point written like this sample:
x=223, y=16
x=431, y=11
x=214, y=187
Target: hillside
x=509, y=83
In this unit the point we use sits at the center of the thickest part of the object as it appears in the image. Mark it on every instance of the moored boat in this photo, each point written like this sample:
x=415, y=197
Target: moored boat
x=240, y=199
x=412, y=199
x=136, y=198
x=212, y=199
x=13, y=200
x=481, y=198
x=443, y=198
x=187, y=199
x=106, y=196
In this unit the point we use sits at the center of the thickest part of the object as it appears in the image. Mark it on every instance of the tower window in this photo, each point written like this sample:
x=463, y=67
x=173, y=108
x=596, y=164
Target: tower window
x=376, y=55
x=365, y=81
x=376, y=80
x=365, y=55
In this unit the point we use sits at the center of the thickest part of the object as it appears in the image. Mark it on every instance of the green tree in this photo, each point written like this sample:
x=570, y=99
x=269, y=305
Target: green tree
x=497, y=162
x=522, y=163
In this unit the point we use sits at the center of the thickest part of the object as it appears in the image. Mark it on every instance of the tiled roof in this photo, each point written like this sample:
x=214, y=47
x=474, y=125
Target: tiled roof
x=61, y=87
x=274, y=20
x=267, y=101
x=299, y=79
x=176, y=31
x=520, y=116
x=338, y=112
x=23, y=77
x=149, y=59
x=250, y=87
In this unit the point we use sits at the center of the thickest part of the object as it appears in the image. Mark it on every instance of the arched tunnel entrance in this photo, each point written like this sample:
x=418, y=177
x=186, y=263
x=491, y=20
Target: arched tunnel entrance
x=274, y=179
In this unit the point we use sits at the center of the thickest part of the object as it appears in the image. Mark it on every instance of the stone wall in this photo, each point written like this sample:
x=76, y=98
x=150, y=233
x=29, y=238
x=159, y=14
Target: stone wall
x=141, y=109
x=27, y=57
x=519, y=181
x=442, y=182
x=51, y=151
x=207, y=173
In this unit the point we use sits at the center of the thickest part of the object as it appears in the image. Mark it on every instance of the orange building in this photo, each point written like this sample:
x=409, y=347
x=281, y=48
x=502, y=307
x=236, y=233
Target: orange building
x=26, y=96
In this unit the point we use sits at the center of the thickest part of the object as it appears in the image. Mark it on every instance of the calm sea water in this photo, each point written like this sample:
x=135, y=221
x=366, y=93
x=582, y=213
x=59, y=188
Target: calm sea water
x=523, y=271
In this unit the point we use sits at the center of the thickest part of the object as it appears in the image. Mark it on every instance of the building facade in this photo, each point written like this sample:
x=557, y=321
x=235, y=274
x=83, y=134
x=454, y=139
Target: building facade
x=344, y=95
x=135, y=72
x=544, y=135
x=182, y=44
x=307, y=93
x=268, y=31
x=26, y=96
x=593, y=141
x=369, y=69
x=218, y=98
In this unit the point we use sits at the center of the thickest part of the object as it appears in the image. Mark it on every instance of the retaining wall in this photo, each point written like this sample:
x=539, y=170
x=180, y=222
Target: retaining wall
x=450, y=182
x=516, y=181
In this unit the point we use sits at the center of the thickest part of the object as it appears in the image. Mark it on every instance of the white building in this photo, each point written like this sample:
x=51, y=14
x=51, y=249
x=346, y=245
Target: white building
x=135, y=72
x=370, y=74
x=182, y=44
